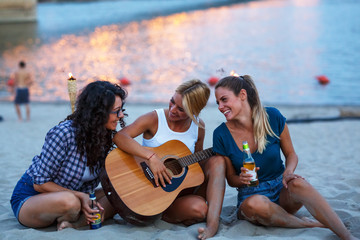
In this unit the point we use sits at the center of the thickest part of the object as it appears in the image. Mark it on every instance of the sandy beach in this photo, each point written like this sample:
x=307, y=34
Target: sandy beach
x=329, y=159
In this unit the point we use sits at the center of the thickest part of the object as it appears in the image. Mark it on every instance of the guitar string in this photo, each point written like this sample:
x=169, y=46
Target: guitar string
x=202, y=154
x=188, y=160
x=184, y=161
x=197, y=156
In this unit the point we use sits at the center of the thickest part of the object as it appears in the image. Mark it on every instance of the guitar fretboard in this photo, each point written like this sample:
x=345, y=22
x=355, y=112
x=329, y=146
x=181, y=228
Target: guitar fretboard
x=196, y=157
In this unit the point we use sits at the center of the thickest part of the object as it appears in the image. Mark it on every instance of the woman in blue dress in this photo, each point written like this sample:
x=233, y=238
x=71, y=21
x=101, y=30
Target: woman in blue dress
x=280, y=192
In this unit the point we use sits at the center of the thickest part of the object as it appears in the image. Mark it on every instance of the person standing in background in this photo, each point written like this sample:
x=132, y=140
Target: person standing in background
x=22, y=82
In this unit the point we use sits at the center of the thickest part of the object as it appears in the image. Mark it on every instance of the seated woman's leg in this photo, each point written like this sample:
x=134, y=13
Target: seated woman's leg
x=44, y=209
x=258, y=209
x=107, y=213
x=213, y=189
x=188, y=209
x=301, y=191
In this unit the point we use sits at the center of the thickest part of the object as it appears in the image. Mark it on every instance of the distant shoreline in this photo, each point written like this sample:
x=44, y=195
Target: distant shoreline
x=57, y=1
x=285, y=105
x=295, y=113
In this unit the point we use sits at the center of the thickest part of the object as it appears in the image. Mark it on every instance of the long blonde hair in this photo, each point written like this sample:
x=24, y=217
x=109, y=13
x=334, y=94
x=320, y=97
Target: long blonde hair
x=195, y=95
x=259, y=116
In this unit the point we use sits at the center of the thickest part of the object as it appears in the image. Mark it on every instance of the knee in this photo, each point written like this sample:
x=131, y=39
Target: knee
x=256, y=205
x=69, y=203
x=199, y=210
x=216, y=165
x=297, y=185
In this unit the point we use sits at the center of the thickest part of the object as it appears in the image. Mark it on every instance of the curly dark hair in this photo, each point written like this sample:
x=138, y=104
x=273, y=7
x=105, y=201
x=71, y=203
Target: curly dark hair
x=92, y=110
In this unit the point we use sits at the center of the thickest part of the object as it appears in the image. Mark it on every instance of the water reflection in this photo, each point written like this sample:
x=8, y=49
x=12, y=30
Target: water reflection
x=150, y=53
x=280, y=43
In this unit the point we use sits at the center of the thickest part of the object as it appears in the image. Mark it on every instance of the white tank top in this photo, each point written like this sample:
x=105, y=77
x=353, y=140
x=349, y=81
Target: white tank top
x=165, y=134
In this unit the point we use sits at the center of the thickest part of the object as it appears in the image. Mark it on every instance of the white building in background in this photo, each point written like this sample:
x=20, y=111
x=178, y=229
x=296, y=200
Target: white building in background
x=17, y=11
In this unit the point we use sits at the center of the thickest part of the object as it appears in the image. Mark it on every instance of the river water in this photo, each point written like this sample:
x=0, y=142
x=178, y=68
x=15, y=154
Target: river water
x=157, y=45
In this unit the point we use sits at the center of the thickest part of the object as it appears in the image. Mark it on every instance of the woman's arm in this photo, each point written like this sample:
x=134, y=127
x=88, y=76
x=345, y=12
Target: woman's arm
x=231, y=176
x=199, y=145
x=124, y=139
x=53, y=187
x=291, y=159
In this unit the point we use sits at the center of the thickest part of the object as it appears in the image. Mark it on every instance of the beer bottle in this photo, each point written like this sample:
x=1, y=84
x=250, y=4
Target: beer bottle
x=97, y=221
x=249, y=164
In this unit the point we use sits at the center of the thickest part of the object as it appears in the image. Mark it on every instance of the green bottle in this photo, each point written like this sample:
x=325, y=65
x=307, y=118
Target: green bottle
x=249, y=164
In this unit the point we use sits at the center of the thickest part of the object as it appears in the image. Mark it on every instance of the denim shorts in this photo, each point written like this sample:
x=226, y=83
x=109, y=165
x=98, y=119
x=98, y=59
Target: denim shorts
x=270, y=189
x=23, y=190
x=22, y=96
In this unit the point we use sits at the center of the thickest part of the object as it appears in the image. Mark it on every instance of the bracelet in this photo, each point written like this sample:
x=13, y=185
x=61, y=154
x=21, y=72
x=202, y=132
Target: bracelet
x=151, y=156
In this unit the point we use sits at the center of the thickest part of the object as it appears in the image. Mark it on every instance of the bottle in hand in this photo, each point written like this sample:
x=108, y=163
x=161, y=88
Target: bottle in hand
x=97, y=220
x=249, y=164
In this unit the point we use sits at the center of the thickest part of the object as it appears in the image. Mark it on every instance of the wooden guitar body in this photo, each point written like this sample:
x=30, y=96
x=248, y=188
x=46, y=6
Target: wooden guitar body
x=128, y=184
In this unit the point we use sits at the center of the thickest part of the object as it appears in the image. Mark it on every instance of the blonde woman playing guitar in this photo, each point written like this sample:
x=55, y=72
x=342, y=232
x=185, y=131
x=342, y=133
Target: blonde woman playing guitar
x=180, y=122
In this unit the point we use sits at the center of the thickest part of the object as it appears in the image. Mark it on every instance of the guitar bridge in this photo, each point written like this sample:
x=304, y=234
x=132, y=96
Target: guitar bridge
x=148, y=173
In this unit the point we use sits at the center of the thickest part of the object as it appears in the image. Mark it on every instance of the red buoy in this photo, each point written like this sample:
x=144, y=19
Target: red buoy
x=11, y=82
x=212, y=81
x=322, y=79
x=124, y=81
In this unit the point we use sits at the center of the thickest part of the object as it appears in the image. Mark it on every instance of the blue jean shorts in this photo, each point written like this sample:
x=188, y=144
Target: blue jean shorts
x=22, y=96
x=23, y=190
x=270, y=189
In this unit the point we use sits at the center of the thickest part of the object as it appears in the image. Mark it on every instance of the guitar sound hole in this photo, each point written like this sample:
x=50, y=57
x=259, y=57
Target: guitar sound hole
x=173, y=165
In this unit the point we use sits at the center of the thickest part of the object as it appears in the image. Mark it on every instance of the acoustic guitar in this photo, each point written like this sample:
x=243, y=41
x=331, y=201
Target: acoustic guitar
x=130, y=187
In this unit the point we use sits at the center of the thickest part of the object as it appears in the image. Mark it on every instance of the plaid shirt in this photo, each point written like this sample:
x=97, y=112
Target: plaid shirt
x=60, y=162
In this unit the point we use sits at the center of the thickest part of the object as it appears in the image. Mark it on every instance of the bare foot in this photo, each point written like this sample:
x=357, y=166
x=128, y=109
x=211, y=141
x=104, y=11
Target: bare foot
x=205, y=233
x=63, y=225
x=312, y=223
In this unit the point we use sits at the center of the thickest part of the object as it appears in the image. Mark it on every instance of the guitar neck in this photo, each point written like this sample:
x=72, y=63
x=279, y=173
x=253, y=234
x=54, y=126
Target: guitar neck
x=196, y=157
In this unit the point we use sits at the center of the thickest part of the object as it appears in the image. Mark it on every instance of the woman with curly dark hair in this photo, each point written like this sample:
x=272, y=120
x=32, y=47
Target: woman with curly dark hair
x=56, y=186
